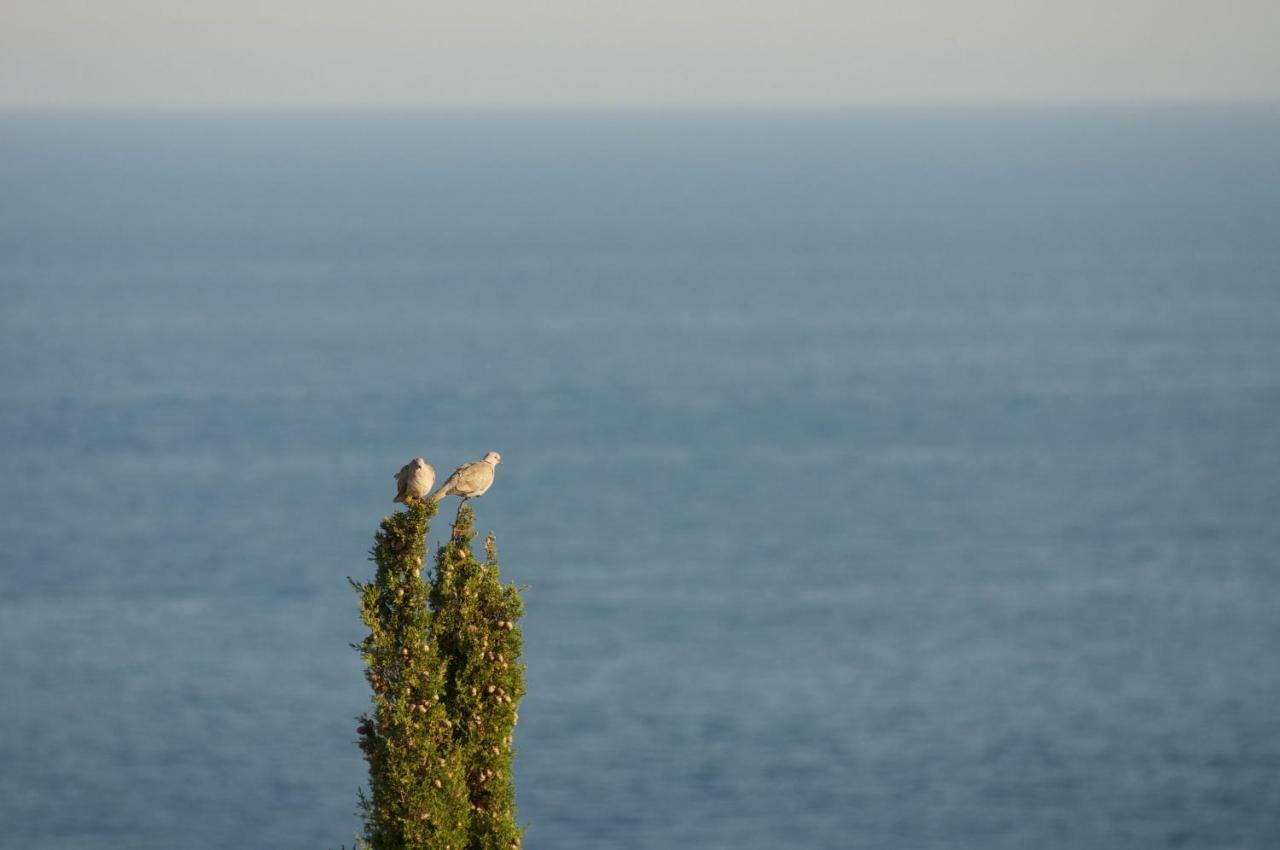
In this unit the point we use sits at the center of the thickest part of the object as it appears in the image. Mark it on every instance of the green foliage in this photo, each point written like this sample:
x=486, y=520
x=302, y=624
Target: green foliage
x=442, y=660
x=474, y=628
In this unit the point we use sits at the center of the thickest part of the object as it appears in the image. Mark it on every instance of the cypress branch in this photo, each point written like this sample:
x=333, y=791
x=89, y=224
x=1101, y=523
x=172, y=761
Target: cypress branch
x=475, y=628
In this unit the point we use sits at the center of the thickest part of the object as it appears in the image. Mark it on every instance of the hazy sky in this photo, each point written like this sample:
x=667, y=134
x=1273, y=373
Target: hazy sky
x=529, y=53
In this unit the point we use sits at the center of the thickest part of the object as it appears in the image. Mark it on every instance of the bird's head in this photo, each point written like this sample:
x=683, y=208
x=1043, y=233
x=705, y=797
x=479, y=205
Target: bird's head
x=419, y=462
x=493, y=458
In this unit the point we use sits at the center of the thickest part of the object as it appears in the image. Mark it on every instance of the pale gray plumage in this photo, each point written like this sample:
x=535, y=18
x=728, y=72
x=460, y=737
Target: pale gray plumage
x=469, y=480
x=414, y=481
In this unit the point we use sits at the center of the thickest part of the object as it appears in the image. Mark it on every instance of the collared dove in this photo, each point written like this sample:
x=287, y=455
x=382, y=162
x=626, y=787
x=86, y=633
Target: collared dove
x=469, y=480
x=414, y=481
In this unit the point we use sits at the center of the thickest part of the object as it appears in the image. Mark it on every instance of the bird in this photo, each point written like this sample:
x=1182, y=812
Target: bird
x=414, y=481
x=469, y=480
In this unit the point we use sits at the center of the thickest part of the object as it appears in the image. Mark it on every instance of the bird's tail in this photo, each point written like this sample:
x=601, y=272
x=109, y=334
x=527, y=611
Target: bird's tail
x=399, y=498
x=439, y=494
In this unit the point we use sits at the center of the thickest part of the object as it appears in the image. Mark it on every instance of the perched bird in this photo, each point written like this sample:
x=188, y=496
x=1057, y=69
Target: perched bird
x=414, y=481
x=469, y=480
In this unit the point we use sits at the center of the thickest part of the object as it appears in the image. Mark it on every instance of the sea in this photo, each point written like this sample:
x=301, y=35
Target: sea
x=899, y=479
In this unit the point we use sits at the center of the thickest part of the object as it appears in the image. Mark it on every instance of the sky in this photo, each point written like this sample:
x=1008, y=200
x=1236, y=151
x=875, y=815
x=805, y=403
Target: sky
x=391, y=54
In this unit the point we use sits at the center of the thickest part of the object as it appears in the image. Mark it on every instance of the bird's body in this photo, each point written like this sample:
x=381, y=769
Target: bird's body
x=414, y=481
x=469, y=480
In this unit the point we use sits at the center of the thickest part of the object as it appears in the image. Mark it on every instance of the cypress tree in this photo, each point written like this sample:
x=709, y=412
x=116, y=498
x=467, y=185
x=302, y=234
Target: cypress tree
x=442, y=661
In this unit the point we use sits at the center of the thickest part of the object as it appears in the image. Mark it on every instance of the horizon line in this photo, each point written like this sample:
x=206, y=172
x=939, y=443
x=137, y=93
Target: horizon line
x=1157, y=102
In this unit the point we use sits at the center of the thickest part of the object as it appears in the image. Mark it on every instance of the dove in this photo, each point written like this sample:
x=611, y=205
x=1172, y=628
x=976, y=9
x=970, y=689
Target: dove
x=414, y=481
x=469, y=480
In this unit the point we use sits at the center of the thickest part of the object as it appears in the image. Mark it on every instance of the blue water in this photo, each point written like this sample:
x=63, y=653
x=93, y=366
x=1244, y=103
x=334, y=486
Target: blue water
x=881, y=479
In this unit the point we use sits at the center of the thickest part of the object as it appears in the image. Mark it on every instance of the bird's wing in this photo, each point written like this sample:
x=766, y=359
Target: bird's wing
x=475, y=476
x=447, y=487
x=402, y=478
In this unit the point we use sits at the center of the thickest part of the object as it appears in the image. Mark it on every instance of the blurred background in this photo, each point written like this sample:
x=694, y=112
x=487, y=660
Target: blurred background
x=894, y=476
